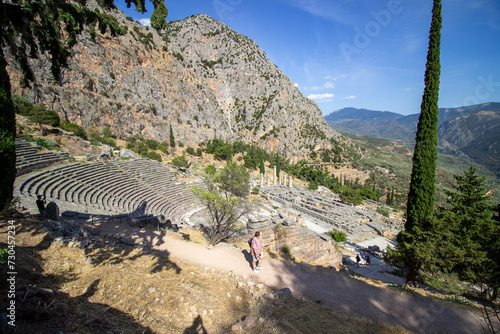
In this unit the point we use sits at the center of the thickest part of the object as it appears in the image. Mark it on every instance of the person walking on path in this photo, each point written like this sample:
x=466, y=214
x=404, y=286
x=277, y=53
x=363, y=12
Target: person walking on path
x=358, y=259
x=256, y=251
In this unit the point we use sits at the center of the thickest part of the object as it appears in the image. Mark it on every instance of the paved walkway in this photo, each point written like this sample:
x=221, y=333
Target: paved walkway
x=335, y=289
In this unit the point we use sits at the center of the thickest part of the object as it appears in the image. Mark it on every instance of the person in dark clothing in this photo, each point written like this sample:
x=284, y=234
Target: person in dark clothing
x=40, y=202
x=358, y=259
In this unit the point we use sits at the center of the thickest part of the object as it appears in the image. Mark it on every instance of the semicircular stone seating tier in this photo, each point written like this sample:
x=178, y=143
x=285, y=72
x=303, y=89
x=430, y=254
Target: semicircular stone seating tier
x=30, y=156
x=136, y=187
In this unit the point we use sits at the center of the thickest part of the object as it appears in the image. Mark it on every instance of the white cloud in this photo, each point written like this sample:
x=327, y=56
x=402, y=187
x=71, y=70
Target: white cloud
x=329, y=77
x=334, y=10
x=321, y=97
x=296, y=84
x=350, y=97
x=327, y=85
x=145, y=22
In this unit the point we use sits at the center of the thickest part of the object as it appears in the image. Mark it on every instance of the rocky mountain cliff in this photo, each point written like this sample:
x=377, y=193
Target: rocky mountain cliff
x=198, y=75
x=471, y=131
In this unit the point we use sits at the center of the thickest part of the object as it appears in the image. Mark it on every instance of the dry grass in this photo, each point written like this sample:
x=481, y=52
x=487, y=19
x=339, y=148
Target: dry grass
x=126, y=290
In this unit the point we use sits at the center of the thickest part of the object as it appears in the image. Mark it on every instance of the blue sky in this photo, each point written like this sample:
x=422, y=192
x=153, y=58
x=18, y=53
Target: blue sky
x=366, y=53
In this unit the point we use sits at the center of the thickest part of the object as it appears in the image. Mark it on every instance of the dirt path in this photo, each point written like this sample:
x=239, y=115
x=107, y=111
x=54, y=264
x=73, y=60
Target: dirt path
x=338, y=290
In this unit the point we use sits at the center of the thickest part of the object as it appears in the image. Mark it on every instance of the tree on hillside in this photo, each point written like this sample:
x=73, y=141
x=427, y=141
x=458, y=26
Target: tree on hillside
x=421, y=195
x=478, y=230
x=171, y=137
x=33, y=27
x=460, y=244
x=159, y=16
x=351, y=196
x=224, y=200
x=262, y=167
x=278, y=165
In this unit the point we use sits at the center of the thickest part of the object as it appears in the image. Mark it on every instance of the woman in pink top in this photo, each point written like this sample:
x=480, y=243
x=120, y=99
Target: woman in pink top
x=256, y=252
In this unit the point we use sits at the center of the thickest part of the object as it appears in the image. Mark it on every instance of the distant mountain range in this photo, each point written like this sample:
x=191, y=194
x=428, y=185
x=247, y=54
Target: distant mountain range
x=471, y=131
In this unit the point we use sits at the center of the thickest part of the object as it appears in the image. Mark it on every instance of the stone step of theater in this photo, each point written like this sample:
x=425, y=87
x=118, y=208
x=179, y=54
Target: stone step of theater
x=305, y=245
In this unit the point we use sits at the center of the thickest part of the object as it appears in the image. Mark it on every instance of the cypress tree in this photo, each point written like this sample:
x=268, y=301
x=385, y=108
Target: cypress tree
x=229, y=153
x=171, y=136
x=262, y=167
x=421, y=200
x=278, y=165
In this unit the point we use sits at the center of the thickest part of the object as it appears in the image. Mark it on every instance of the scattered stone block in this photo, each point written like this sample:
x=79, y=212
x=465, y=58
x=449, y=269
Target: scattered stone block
x=52, y=211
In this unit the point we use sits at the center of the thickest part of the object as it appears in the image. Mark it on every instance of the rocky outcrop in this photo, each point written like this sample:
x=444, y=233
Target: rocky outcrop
x=303, y=244
x=199, y=76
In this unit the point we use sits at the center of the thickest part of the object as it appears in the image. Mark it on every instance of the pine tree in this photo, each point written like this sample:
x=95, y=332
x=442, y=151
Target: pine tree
x=474, y=216
x=421, y=200
x=171, y=137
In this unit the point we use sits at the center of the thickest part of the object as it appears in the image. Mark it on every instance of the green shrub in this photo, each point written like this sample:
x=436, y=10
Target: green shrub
x=106, y=132
x=154, y=156
x=210, y=170
x=383, y=211
x=351, y=196
x=313, y=185
x=190, y=150
x=38, y=114
x=77, y=130
x=151, y=144
x=142, y=149
x=256, y=190
x=286, y=250
x=109, y=141
x=39, y=141
x=94, y=135
x=180, y=161
x=162, y=149
x=199, y=152
x=336, y=235
x=3, y=255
